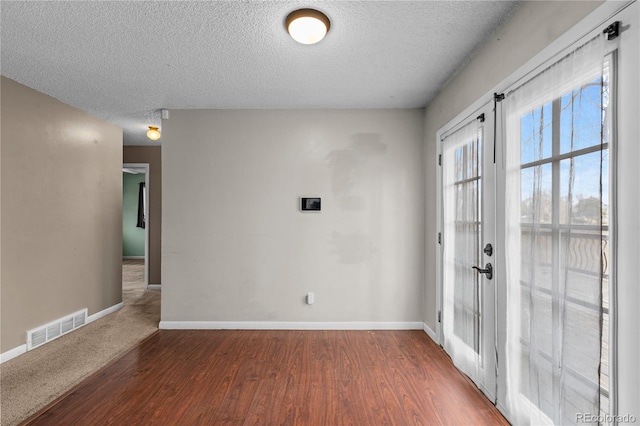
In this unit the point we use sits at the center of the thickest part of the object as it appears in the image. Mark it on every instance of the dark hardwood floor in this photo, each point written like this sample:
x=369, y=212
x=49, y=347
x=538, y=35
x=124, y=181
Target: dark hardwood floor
x=276, y=377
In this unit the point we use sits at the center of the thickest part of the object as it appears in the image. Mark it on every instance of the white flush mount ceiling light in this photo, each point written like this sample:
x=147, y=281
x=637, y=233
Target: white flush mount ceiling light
x=153, y=133
x=307, y=26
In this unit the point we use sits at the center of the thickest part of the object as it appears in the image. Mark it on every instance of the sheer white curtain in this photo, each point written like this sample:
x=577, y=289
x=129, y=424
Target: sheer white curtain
x=556, y=239
x=461, y=183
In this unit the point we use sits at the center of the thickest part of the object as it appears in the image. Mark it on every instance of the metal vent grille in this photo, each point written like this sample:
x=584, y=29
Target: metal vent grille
x=45, y=333
x=53, y=331
x=66, y=325
x=79, y=319
x=38, y=337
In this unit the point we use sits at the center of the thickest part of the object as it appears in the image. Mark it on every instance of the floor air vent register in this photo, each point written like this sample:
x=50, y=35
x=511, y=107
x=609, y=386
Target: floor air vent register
x=46, y=333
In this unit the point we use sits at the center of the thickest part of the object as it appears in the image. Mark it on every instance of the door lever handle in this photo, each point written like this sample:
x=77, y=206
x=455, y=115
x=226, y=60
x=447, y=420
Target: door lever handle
x=488, y=270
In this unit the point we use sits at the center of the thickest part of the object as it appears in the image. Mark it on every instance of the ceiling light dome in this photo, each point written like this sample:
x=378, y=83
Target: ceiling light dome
x=307, y=26
x=153, y=133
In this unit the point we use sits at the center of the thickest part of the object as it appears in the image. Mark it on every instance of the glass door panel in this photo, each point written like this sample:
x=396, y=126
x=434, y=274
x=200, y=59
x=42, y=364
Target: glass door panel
x=468, y=181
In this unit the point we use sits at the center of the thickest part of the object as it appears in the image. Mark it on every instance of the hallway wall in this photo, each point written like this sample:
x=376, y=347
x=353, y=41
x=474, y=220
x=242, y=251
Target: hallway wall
x=61, y=212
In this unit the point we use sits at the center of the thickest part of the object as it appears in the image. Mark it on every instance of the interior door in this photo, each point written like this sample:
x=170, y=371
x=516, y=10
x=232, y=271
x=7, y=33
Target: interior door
x=468, y=248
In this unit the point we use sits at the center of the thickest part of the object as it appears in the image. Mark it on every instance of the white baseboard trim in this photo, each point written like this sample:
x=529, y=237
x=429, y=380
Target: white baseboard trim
x=104, y=312
x=133, y=257
x=273, y=325
x=430, y=332
x=12, y=353
x=154, y=287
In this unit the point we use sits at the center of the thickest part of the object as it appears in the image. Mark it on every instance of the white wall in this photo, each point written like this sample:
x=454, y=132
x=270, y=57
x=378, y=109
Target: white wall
x=237, y=248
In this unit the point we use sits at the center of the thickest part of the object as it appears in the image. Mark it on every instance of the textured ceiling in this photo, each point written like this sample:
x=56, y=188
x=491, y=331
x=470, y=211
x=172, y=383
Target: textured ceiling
x=124, y=60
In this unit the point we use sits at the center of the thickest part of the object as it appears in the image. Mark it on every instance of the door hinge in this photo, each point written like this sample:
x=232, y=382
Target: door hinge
x=481, y=118
x=439, y=316
x=439, y=237
x=439, y=159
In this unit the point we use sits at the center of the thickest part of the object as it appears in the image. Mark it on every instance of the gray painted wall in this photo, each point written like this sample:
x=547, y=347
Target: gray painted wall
x=237, y=248
x=61, y=212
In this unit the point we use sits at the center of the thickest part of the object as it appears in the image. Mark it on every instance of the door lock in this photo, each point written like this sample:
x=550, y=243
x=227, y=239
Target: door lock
x=488, y=249
x=488, y=270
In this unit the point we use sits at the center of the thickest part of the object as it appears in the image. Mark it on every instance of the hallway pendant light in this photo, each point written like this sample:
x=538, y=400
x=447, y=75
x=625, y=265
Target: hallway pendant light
x=153, y=133
x=307, y=26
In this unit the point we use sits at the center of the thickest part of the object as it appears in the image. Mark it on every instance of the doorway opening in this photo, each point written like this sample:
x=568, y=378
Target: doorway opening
x=135, y=225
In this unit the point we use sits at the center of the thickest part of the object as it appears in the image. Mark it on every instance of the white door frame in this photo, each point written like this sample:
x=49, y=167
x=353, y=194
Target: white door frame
x=146, y=167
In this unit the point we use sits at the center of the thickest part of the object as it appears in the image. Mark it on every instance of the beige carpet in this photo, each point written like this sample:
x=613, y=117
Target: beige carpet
x=33, y=380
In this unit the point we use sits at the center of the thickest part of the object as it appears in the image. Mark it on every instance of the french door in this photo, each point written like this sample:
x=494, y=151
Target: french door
x=546, y=194
x=468, y=245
